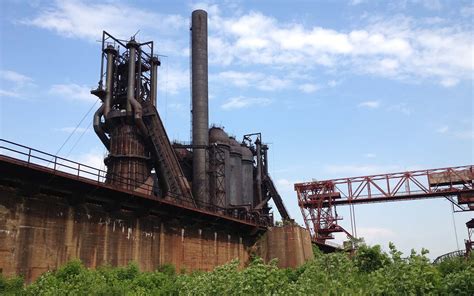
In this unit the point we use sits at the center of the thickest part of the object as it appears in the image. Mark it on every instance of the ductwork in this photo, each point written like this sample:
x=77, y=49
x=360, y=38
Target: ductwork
x=155, y=62
x=258, y=177
x=98, y=128
x=131, y=101
x=111, y=53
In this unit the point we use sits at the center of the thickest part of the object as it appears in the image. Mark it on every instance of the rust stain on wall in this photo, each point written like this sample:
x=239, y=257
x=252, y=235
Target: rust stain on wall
x=290, y=244
x=41, y=232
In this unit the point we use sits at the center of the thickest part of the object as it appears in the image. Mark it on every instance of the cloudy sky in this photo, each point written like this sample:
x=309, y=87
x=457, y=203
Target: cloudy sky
x=338, y=89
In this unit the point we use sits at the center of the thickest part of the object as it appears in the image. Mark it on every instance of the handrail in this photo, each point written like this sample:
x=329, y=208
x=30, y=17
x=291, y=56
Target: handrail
x=83, y=171
x=458, y=253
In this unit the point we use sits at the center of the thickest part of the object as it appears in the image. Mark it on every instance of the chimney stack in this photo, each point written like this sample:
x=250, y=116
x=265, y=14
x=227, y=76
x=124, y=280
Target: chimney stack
x=200, y=116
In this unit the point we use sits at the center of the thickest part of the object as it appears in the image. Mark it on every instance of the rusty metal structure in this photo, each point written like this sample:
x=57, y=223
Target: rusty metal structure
x=318, y=200
x=468, y=244
x=214, y=172
x=195, y=205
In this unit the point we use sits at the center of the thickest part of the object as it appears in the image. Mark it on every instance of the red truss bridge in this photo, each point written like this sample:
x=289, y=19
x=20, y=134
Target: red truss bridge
x=318, y=199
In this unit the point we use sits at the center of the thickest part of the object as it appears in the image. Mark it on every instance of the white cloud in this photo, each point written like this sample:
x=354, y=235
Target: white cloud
x=370, y=155
x=94, y=159
x=449, y=82
x=18, y=84
x=333, y=83
x=73, y=92
x=212, y=9
x=176, y=106
x=15, y=77
x=356, y=2
x=285, y=185
x=370, y=104
x=87, y=19
x=272, y=83
x=254, y=79
x=467, y=11
x=375, y=235
x=7, y=93
x=399, y=47
x=173, y=80
x=442, y=130
x=244, y=102
x=429, y=4
x=464, y=135
x=308, y=88
x=401, y=108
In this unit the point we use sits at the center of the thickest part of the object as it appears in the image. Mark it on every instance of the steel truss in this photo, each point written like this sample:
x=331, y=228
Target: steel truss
x=318, y=199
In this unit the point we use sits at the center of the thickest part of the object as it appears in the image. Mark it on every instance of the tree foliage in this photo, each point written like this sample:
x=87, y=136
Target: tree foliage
x=369, y=271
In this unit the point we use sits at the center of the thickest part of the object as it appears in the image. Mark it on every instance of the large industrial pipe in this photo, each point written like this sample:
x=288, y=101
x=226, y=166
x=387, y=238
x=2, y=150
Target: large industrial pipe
x=258, y=178
x=98, y=128
x=111, y=52
x=200, y=116
x=132, y=45
x=155, y=62
x=137, y=107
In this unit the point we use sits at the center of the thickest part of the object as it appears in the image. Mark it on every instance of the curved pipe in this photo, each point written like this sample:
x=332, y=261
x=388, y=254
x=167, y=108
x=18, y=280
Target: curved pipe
x=98, y=129
x=134, y=104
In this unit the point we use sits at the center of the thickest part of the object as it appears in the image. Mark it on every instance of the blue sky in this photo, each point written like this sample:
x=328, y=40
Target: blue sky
x=338, y=89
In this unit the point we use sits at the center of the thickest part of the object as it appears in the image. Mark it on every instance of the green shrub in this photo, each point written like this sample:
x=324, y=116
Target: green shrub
x=368, y=259
x=11, y=286
x=370, y=271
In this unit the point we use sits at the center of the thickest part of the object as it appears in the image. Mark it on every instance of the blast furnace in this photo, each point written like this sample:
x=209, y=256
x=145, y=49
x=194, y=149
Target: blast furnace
x=214, y=172
x=194, y=205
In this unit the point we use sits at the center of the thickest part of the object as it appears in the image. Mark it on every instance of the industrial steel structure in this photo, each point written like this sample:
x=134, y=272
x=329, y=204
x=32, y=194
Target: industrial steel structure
x=195, y=205
x=214, y=172
x=469, y=245
x=318, y=200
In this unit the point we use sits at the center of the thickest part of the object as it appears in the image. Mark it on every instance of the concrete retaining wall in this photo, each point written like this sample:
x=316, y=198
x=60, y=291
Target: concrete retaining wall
x=290, y=244
x=42, y=232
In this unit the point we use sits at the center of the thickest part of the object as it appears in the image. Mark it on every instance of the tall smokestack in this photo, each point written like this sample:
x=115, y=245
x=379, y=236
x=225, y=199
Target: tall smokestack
x=200, y=116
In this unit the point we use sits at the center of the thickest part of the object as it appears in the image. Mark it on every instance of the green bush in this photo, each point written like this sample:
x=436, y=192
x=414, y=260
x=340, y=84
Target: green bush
x=369, y=271
x=11, y=286
x=369, y=259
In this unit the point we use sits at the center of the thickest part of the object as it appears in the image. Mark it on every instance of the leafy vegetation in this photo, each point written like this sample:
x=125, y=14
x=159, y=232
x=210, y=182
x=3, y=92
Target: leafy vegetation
x=370, y=271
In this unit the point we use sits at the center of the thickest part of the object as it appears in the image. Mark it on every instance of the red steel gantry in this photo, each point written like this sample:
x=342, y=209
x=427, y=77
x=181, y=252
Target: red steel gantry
x=318, y=199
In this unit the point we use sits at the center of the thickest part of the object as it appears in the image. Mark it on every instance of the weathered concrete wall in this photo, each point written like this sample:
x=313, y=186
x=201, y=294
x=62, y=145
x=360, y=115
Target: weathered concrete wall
x=290, y=244
x=41, y=232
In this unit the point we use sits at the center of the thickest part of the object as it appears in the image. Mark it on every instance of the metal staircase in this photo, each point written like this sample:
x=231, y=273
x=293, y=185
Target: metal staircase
x=173, y=183
x=270, y=187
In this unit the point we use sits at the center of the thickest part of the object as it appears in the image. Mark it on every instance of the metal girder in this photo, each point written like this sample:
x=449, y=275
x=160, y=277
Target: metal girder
x=318, y=199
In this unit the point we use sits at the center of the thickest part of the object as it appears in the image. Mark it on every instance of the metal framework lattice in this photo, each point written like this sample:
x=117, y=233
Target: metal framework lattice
x=217, y=165
x=318, y=199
